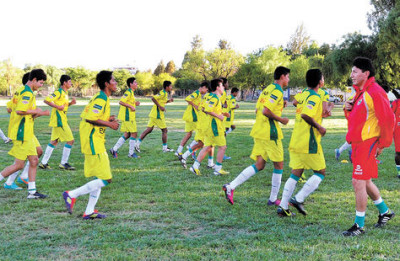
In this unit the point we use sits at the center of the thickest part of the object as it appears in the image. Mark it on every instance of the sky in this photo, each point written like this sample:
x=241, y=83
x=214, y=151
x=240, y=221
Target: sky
x=106, y=34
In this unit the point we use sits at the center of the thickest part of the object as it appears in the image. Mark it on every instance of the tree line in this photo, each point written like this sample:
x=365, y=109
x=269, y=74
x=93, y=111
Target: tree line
x=255, y=70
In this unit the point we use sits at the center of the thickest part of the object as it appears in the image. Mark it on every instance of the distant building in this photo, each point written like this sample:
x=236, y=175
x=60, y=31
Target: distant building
x=131, y=69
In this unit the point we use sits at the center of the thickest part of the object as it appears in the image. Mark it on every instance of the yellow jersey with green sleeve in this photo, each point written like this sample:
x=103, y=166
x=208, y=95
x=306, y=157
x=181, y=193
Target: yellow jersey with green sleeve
x=231, y=103
x=265, y=128
x=125, y=113
x=161, y=98
x=11, y=104
x=58, y=118
x=305, y=138
x=324, y=95
x=215, y=125
x=202, y=117
x=21, y=126
x=92, y=136
x=191, y=114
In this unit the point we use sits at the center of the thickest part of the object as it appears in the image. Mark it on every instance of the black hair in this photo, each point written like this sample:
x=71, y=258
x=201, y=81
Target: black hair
x=103, y=77
x=214, y=84
x=313, y=77
x=129, y=81
x=234, y=89
x=37, y=74
x=25, y=78
x=64, y=78
x=364, y=64
x=279, y=71
x=205, y=84
x=166, y=84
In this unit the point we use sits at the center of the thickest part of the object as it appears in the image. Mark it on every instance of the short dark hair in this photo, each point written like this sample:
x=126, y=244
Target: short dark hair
x=364, y=64
x=103, y=77
x=279, y=71
x=64, y=78
x=205, y=84
x=313, y=77
x=166, y=84
x=234, y=89
x=37, y=74
x=215, y=83
x=129, y=81
x=25, y=78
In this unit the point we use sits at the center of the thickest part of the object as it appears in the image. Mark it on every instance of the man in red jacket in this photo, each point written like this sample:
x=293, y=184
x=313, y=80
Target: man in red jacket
x=370, y=129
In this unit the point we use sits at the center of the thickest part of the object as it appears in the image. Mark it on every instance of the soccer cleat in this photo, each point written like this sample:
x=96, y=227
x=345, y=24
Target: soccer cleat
x=133, y=155
x=22, y=181
x=66, y=166
x=94, y=215
x=274, y=203
x=227, y=157
x=285, y=212
x=44, y=166
x=228, y=193
x=178, y=154
x=183, y=162
x=137, y=148
x=167, y=150
x=221, y=172
x=114, y=153
x=383, y=219
x=299, y=206
x=303, y=178
x=13, y=186
x=337, y=154
x=8, y=140
x=36, y=195
x=211, y=166
x=355, y=230
x=350, y=152
x=195, y=171
x=69, y=202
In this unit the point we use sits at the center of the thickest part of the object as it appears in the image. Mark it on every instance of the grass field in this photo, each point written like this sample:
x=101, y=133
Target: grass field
x=157, y=210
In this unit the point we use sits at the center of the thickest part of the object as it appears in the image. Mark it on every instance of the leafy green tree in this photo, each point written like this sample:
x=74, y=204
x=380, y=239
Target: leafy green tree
x=186, y=84
x=159, y=80
x=224, y=45
x=298, y=41
x=160, y=68
x=380, y=13
x=170, y=67
x=298, y=69
x=121, y=76
x=222, y=63
x=53, y=75
x=10, y=77
x=81, y=77
x=145, y=81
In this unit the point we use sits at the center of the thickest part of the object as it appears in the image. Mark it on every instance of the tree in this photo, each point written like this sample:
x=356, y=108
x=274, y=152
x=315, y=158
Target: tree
x=224, y=44
x=298, y=69
x=121, y=76
x=81, y=78
x=197, y=43
x=170, y=67
x=160, y=68
x=10, y=77
x=145, y=81
x=298, y=41
x=159, y=80
x=53, y=75
x=380, y=12
x=222, y=63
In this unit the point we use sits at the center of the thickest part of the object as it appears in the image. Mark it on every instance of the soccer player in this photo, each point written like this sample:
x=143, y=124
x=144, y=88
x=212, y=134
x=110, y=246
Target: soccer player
x=22, y=134
x=157, y=117
x=215, y=134
x=370, y=129
x=4, y=137
x=231, y=107
x=58, y=121
x=345, y=146
x=305, y=148
x=396, y=134
x=267, y=135
x=95, y=119
x=127, y=115
x=191, y=114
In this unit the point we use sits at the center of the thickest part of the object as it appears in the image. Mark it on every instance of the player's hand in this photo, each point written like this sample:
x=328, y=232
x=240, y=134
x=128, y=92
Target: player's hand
x=226, y=114
x=162, y=108
x=73, y=101
x=284, y=103
x=171, y=100
x=133, y=108
x=379, y=151
x=61, y=107
x=112, y=118
x=137, y=103
x=285, y=121
x=9, y=110
x=44, y=113
x=322, y=131
x=114, y=125
x=348, y=105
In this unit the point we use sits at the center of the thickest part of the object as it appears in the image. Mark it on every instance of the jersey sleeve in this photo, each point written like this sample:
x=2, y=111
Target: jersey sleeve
x=54, y=96
x=192, y=96
x=310, y=107
x=271, y=101
x=125, y=97
x=96, y=109
x=25, y=101
x=233, y=103
x=211, y=104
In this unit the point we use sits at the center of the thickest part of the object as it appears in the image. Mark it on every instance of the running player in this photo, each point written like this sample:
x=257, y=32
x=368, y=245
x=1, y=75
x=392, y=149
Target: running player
x=396, y=134
x=231, y=107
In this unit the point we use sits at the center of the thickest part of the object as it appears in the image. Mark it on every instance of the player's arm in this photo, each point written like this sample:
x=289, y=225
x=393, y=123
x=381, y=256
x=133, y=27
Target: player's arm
x=113, y=124
x=52, y=104
x=36, y=112
x=157, y=104
x=313, y=123
x=72, y=102
x=386, y=119
x=50, y=101
x=269, y=114
x=127, y=105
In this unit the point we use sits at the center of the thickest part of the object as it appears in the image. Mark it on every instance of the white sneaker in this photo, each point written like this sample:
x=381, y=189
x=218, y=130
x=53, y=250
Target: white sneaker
x=137, y=148
x=168, y=150
x=7, y=141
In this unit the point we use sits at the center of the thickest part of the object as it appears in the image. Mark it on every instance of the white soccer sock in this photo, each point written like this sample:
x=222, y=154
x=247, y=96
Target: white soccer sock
x=196, y=165
x=1, y=177
x=132, y=143
x=3, y=136
x=119, y=143
x=32, y=187
x=218, y=167
x=193, y=143
x=180, y=148
x=229, y=131
x=66, y=153
x=93, y=198
x=186, y=154
x=243, y=176
x=344, y=147
x=47, y=154
x=25, y=172
x=210, y=161
x=276, y=184
x=87, y=188
x=309, y=187
x=12, y=178
x=290, y=185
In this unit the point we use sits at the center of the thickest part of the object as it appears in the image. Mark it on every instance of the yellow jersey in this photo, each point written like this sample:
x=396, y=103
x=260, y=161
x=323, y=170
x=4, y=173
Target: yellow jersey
x=125, y=113
x=265, y=128
x=161, y=98
x=21, y=126
x=191, y=114
x=11, y=105
x=231, y=103
x=58, y=118
x=92, y=136
x=215, y=126
x=306, y=139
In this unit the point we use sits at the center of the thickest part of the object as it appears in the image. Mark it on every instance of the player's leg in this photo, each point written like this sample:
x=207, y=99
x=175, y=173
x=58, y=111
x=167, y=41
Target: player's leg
x=47, y=154
x=120, y=142
x=65, y=156
x=384, y=213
